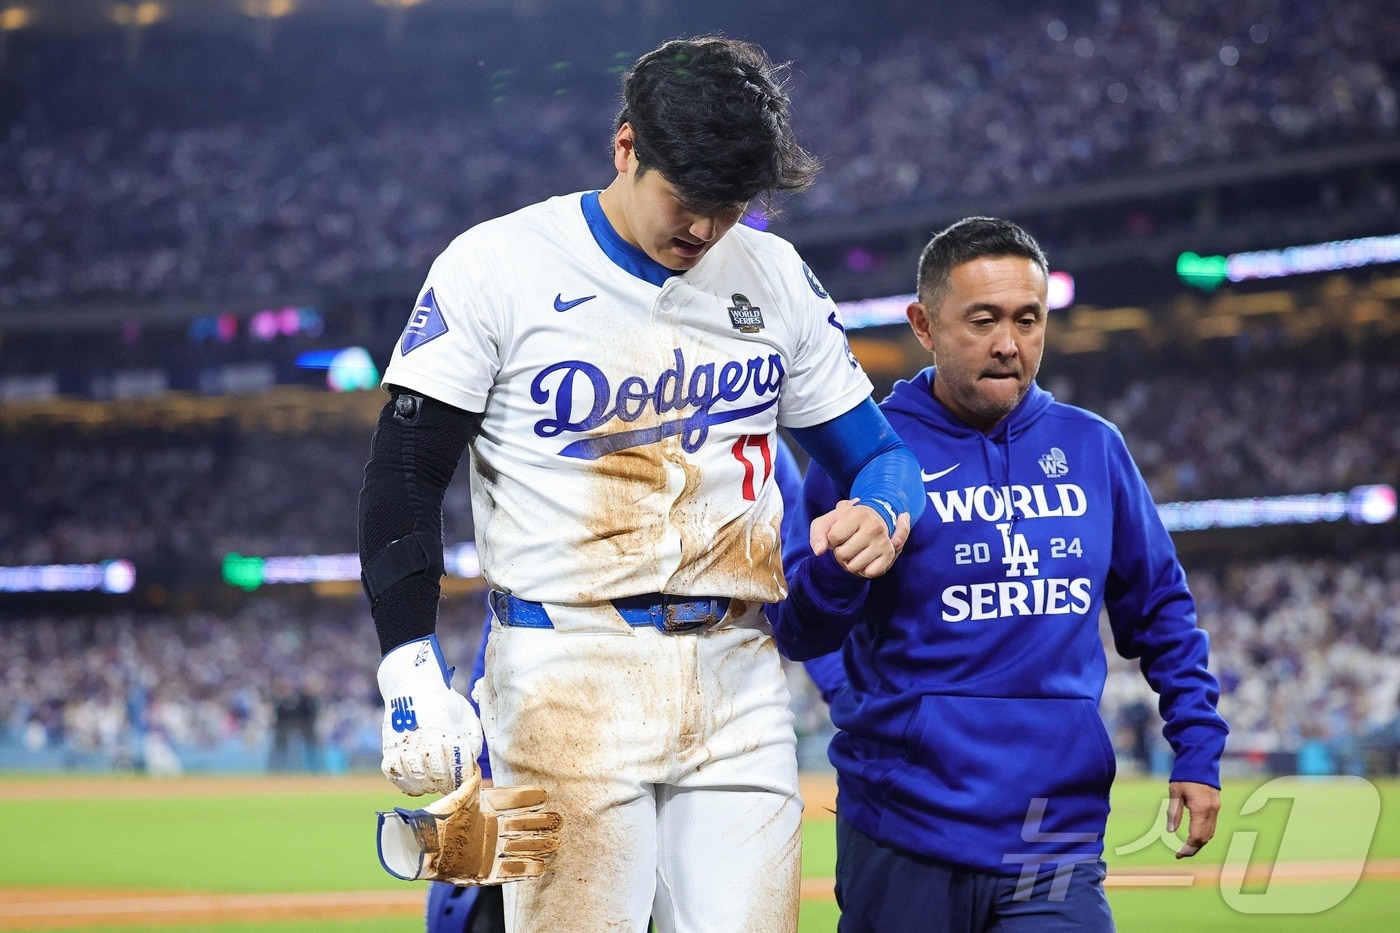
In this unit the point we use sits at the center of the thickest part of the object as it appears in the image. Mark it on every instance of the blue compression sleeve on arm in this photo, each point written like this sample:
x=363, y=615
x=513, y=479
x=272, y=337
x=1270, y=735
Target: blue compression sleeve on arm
x=863, y=454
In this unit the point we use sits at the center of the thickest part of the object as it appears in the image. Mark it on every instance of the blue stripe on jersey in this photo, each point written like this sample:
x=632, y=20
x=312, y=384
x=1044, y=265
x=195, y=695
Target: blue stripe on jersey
x=625, y=256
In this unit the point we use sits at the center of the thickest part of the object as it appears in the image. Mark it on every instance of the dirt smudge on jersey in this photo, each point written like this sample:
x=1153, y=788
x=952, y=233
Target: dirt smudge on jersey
x=585, y=730
x=484, y=476
x=778, y=909
x=582, y=888
x=626, y=528
x=484, y=467
x=698, y=713
x=742, y=558
x=560, y=740
x=592, y=719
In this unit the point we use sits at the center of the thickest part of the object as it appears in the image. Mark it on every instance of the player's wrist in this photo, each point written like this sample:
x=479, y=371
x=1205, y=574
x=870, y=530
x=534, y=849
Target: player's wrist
x=883, y=510
x=419, y=661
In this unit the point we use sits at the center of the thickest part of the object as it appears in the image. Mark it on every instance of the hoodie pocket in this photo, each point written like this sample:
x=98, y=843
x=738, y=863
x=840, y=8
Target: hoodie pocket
x=877, y=762
x=989, y=758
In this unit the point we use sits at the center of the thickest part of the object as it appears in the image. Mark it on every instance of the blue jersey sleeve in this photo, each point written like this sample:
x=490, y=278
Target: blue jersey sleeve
x=788, y=475
x=823, y=599
x=825, y=670
x=1153, y=618
x=862, y=452
x=857, y=456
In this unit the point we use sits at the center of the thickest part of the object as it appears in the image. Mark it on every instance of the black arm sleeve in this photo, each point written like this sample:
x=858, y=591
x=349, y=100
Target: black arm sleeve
x=417, y=445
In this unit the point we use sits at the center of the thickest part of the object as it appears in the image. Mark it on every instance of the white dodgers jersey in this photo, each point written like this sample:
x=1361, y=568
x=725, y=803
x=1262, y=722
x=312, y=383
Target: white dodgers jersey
x=627, y=445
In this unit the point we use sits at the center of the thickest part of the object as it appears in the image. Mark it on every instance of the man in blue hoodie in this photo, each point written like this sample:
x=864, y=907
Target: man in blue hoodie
x=974, y=769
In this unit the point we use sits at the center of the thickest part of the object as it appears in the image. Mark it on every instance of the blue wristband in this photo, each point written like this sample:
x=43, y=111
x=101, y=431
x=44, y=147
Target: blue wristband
x=862, y=453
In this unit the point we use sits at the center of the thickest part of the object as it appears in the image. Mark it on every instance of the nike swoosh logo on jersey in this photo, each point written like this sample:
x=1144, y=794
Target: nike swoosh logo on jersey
x=930, y=477
x=561, y=305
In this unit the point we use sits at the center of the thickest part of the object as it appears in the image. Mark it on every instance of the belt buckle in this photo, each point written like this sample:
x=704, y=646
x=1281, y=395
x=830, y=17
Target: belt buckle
x=665, y=616
x=500, y=605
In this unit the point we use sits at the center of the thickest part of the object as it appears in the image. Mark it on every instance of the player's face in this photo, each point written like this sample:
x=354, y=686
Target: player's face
x=987, y=336
x=670, y=233
x=648, y=213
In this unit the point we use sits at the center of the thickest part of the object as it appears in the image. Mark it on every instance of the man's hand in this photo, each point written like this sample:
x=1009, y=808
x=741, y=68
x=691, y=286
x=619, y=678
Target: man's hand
x=431, y=736
x=1204, y=803
x=857, y=537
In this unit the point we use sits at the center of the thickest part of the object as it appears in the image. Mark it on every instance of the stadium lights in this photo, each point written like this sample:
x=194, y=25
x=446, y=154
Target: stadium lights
x=1210, y=272
x=1363, y=505
x=395, y=16
x=12, y=19
x=109, y=576
x=15, y=17
x=880, y=312
x=347, y=370
x=145, y=13
x=249, y=573
x=269, y=9
x=136, y=17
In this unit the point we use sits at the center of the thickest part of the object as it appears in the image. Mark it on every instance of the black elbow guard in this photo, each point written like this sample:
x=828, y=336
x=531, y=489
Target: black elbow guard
x=418, y=553
x=417, y=445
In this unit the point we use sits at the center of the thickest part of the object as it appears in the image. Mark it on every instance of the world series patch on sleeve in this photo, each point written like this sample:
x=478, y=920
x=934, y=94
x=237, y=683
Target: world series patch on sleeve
x=474, y=835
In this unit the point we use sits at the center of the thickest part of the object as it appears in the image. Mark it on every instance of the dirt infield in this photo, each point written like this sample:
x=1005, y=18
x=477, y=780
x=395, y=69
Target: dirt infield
x=74, y=908
x=57, y=908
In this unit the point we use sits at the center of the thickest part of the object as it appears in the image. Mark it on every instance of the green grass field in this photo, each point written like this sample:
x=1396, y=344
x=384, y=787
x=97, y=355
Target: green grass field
x=277, y=838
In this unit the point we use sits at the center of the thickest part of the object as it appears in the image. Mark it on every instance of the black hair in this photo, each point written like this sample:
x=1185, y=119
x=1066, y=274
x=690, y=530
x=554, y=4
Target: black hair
x=968, y=239
x=710, y=115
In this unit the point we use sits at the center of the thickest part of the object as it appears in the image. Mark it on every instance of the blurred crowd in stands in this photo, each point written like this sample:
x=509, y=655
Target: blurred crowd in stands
x=1256, y=430
x=1307, y=651
x=229, y=191
x=1306, y=644
x=196, y=495
x=213, y=169
x=276, y=683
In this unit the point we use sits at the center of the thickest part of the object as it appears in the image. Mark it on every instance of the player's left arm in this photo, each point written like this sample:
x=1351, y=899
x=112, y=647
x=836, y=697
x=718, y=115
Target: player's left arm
x=825, y=596
x=827, y=670
x=827, y=408
x=1153, y=618
x=885, y=495
x=824, y=601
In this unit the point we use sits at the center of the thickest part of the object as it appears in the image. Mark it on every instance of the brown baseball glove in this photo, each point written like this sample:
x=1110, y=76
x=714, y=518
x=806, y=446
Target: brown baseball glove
x=474, y=835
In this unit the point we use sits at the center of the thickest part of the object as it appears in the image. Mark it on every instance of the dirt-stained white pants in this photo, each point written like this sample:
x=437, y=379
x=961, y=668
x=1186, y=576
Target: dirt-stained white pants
x=673, y=761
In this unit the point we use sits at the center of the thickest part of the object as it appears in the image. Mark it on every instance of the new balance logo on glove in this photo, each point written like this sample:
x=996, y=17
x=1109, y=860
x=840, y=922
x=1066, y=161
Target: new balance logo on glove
x=404, y=718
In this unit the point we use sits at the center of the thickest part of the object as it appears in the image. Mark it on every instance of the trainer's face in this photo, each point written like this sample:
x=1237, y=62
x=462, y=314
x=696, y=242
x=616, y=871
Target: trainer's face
x=987, y=336
x=646, y=211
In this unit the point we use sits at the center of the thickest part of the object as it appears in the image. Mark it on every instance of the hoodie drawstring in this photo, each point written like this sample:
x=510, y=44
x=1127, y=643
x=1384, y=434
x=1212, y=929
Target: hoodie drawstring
x=1005, y=472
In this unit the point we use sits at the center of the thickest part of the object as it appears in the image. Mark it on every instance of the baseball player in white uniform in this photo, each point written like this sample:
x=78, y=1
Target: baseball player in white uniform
x=617, y=363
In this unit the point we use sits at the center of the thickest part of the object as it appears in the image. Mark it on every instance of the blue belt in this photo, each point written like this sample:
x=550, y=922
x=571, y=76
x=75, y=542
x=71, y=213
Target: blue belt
x=669, y=614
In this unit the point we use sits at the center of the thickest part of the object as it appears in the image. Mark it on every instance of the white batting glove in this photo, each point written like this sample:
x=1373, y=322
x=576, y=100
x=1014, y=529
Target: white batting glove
x=431, y=734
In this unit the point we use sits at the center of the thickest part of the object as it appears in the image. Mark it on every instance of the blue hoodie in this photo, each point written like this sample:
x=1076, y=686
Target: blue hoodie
x=969, y=726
